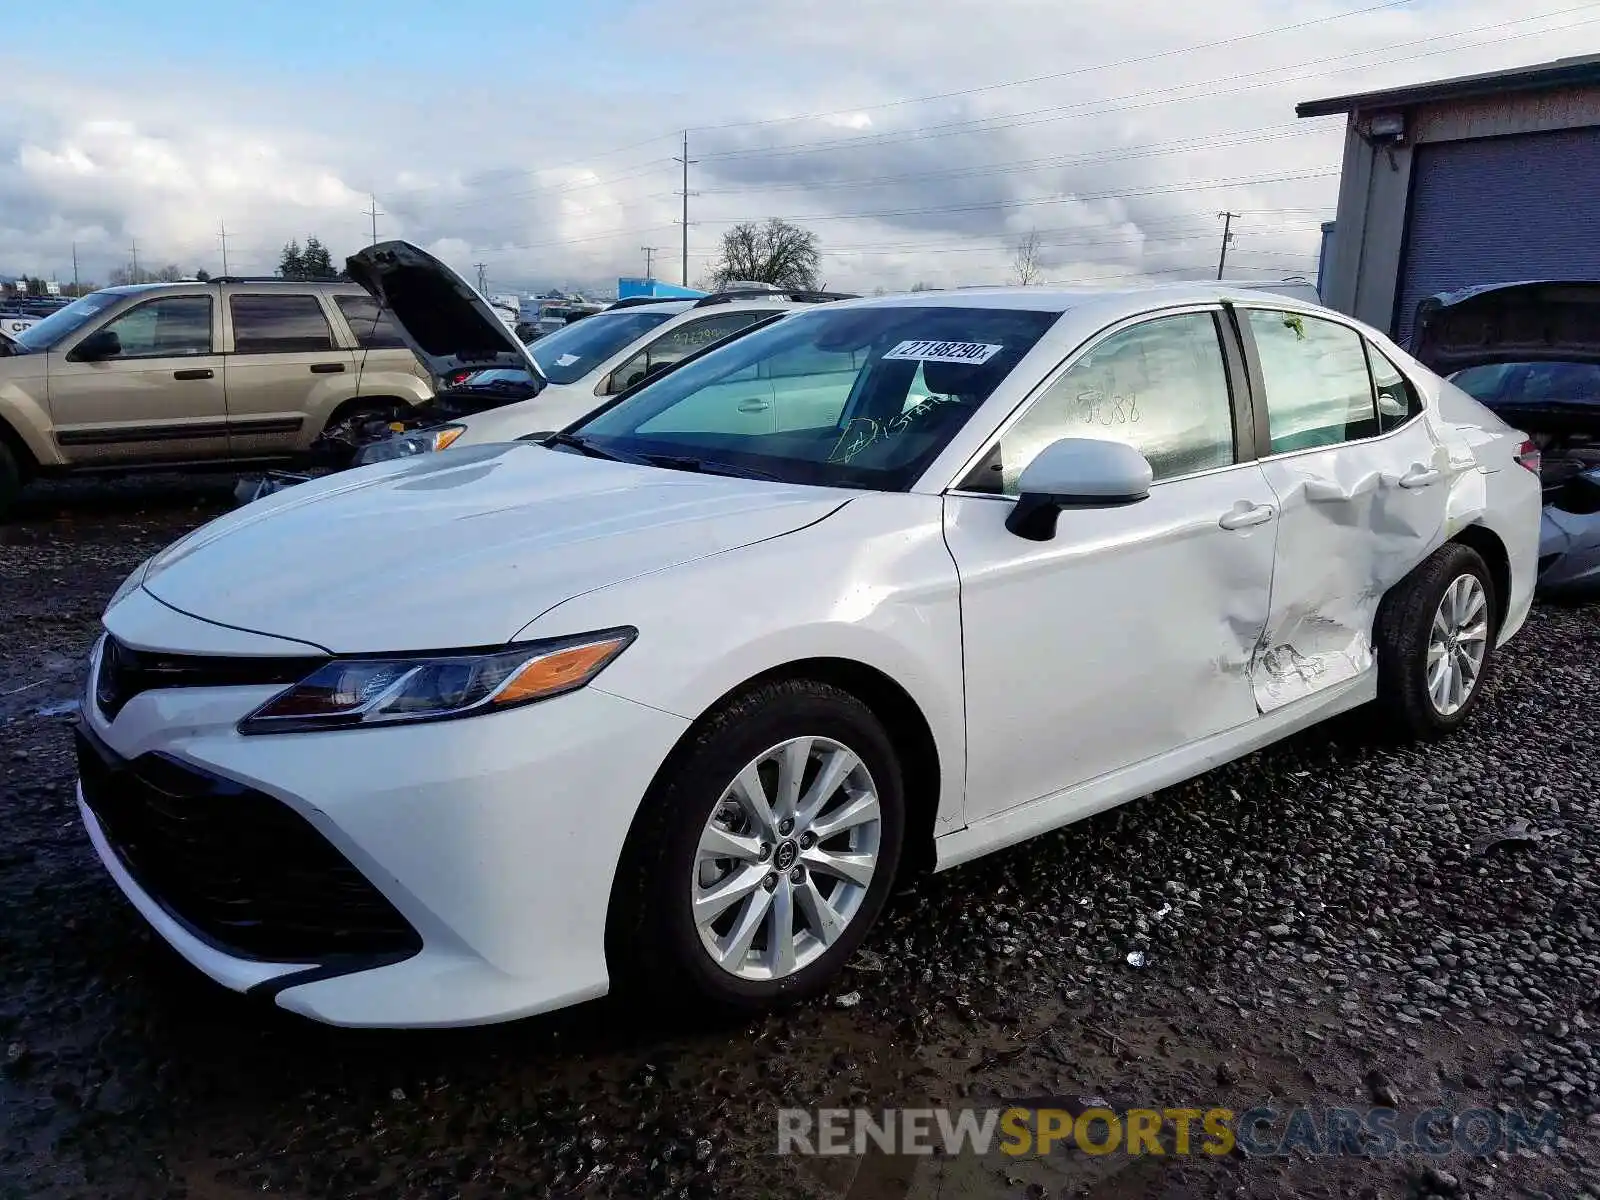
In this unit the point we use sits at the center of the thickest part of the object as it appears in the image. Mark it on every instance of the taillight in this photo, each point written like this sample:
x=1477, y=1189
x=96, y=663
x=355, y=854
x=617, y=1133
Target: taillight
x=1529, y=457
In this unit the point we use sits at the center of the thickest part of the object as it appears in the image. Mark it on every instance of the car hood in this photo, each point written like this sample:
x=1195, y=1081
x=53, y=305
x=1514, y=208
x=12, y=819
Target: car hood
x=1544, y=321
x=460, y=549
x=448, y=324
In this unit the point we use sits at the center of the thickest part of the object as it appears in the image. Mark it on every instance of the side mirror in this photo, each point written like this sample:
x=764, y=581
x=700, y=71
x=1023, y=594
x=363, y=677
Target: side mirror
x=1076, y=473
x=98, y=346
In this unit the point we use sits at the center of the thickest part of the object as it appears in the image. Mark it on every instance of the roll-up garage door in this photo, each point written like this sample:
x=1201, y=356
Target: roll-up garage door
x=1500, y=210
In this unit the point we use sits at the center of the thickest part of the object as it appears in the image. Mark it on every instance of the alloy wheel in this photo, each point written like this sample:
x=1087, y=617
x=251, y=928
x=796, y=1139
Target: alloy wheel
x=785, y=860
x=1458, y=643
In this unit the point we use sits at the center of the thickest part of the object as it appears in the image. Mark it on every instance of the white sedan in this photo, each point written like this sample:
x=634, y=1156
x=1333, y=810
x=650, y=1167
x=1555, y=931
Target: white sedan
x=668, y=704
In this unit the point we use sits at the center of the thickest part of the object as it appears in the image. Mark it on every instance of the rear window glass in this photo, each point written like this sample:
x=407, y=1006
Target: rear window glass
x=375, y=328
x=283, y=324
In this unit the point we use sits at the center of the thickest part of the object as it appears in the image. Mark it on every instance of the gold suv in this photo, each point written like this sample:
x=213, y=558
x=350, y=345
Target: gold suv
x=186, y=374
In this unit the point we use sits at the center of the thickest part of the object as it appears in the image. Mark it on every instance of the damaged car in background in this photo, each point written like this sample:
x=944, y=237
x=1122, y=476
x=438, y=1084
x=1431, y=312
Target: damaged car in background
x=1531, y=353
x=668, y=701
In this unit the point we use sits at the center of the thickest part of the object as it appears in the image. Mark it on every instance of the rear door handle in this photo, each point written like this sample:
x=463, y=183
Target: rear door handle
x=753, y=406
x=194, y=373
x=1420, y=477
x=1245, y=515
x=326, y=368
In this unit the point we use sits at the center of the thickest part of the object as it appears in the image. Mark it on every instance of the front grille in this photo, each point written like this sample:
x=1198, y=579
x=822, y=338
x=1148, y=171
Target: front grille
x=125, y=672
x=237, y=867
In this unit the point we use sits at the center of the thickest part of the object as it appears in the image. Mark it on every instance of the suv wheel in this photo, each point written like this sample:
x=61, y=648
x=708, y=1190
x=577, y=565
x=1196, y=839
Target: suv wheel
x=1435, y=642
x=341, y=437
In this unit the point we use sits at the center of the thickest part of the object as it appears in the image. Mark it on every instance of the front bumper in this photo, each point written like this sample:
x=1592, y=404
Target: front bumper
x=494, y=840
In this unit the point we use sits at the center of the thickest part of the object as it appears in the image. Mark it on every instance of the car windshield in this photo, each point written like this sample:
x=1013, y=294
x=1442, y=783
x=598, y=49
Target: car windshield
x=854, y=397
x=571, y=352
x=65, y=321
x=1532, y=383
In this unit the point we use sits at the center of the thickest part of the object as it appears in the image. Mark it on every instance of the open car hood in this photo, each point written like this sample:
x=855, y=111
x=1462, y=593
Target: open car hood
x=1543, y=321
x=447, y=323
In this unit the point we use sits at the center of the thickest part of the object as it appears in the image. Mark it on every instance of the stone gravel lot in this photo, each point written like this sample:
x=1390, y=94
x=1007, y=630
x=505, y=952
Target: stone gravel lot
x=1328, y=923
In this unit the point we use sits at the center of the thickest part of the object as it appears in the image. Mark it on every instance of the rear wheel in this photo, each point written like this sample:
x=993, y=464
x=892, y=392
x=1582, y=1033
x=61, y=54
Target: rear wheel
x=760, y=863
x=1435, y=643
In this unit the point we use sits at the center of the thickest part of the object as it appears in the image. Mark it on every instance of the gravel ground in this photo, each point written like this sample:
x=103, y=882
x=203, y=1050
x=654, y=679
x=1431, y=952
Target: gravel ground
x=1323, y=924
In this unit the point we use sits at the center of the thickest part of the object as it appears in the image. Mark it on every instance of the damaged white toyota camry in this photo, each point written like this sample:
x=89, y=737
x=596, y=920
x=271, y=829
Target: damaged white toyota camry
x=670, y=699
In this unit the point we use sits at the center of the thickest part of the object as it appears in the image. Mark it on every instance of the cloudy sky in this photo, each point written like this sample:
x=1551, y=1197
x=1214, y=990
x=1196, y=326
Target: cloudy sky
x=920, y=139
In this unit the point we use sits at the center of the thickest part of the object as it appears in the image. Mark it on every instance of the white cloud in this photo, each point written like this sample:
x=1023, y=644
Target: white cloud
x=1117, y=168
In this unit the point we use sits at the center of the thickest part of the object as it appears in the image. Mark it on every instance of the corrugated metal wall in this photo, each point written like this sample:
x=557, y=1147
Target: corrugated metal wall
x=1500, y=210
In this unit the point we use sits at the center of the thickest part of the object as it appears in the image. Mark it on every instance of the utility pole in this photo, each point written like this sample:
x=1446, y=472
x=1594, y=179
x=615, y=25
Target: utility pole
x=374, y=214
x=75, y=268
x=134, y=250
x=1227, y=236
x=222, y=236
x=483, y=279
x=649, y=259
x=687, y=163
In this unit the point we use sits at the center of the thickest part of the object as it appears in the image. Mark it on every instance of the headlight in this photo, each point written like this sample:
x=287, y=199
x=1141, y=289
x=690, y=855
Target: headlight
x=404, y=445
x=129, y=584
x=386, y=691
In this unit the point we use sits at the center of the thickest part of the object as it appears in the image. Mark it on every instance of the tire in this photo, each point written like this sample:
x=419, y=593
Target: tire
x=1407, y=651
x=656, y=948
x=10, y=478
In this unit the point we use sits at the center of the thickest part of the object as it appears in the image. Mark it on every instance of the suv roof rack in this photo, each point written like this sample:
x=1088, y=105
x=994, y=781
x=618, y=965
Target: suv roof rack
x=263, y=279
x=795, y=296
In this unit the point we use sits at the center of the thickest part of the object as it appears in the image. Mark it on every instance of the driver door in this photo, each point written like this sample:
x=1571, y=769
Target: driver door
x=159, y=398
x=1130, y=633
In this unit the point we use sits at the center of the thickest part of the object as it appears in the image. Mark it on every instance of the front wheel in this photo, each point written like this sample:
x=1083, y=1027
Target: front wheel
x=758, y=866
x=1435, y=643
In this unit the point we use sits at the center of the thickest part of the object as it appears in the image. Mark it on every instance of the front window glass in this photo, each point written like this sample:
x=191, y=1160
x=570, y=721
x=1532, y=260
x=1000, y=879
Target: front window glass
x=66, y=321
x=1160, y=387
x=888, y=388
x=1315, y=372
x=677, y=344
x=161, y=328
x=571, y=352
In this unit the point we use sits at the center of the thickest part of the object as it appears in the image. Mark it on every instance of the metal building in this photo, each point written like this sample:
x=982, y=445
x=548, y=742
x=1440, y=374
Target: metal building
x=1489, y=178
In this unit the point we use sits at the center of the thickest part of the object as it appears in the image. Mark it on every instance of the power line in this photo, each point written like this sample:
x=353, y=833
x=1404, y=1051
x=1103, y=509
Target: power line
x=222, y=236
x=1076, y=71
x=1159, y=95
x=649, y=256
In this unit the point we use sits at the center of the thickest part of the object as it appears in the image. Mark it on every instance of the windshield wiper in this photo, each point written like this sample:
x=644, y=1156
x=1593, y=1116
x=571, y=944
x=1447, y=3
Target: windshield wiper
x=582, y=446
x=703, y=466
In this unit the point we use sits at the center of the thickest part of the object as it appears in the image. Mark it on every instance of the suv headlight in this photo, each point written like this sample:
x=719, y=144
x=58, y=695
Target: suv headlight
x=404, y=445
x=349, y=692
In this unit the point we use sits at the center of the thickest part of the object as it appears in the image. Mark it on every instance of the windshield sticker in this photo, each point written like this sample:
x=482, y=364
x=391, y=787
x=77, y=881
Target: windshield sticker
x=566, y=360
x=976, y=353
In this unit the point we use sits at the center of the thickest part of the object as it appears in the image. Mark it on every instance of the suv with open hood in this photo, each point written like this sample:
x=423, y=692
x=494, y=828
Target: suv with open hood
x=540, y=387
x=1531, y=352
x=227, y=371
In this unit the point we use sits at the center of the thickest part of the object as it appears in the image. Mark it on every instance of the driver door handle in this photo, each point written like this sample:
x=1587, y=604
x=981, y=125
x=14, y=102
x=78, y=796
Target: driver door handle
x=754, y=406
x=194, y=373
x=1419, y=477
x=1243, y=516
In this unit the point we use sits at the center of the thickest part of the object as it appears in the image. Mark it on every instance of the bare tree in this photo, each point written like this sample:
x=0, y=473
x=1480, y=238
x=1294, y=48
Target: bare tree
x=777, y=253
x=922, y=285
x=1025, y=259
